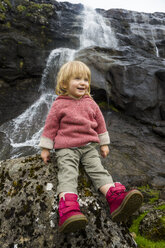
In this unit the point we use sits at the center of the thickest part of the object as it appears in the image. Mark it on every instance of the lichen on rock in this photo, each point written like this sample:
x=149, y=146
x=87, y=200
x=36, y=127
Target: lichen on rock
x=29, y=215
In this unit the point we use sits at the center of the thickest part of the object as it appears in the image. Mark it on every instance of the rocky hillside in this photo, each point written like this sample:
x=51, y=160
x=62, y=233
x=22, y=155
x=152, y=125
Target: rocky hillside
x=29, y=216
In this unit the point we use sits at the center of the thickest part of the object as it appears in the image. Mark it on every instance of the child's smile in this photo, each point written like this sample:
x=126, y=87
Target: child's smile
x=78, y=87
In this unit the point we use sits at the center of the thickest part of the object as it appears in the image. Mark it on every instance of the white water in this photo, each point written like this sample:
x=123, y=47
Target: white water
x=25, y=130
x=95, y=31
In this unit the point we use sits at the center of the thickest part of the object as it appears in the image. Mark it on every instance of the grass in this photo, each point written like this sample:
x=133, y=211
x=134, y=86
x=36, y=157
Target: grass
x=142, y=241
x=154, y=194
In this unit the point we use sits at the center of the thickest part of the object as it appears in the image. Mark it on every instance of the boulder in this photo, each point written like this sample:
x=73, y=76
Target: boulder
x=29, y=215
x=152, y=226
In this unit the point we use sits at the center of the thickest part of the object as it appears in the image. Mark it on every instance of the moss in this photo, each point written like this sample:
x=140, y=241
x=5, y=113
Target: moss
x=113, y=108
x=2, y=7
x=21, y=64
x=162, y=207
x=152, y=193
x=21, y=8
x=142, y=241
x=146, y=242
x=16, y=187
x=162, y=220
x=8, y=24
x=8, y=3
x=2, y=17
x=105, y=105
x=39, y=189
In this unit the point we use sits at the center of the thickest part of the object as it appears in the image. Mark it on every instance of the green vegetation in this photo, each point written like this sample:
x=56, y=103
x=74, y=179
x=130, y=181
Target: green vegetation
x=21, y=64
x=39, y=189
x=105, y=105
x=153, y=194
x=2, y=17
x=134, y=229
x=162, y=207
x=2, y=7
x=142, y=241
x=21, y=8
x=8, y=3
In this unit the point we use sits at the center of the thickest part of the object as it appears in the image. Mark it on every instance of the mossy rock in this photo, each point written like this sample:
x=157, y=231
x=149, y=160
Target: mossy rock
x=152, y=226
x=149, y=228
x=29, y=209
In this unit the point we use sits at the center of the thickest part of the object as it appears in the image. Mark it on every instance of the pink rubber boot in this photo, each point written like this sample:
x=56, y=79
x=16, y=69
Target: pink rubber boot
x=71, y=219
x=123, y=204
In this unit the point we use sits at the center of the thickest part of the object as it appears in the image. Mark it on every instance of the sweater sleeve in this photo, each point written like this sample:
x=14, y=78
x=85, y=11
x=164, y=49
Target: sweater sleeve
x=101, y=128
x=50, y=129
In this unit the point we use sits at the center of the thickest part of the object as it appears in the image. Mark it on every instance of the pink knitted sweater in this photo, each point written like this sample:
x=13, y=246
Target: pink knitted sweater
x=73, y=123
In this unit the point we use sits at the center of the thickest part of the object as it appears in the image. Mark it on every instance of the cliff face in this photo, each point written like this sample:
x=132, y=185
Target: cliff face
x=29, y=30
x=132, y=72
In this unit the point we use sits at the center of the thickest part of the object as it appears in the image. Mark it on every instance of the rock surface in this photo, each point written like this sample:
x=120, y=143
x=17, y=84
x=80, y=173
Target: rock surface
x=137, y=155
x=28, y=210
x=29, y=30
x=131, y=73
x=153, y=225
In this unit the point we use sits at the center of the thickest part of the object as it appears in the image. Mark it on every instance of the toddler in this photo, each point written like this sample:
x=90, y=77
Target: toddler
x=74, y=127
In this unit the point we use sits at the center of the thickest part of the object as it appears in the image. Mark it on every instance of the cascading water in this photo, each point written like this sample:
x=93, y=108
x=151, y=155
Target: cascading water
x=24, y=131
x=95, y=31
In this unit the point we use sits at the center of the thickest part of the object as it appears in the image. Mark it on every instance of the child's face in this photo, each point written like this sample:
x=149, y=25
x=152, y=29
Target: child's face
x=78, y=87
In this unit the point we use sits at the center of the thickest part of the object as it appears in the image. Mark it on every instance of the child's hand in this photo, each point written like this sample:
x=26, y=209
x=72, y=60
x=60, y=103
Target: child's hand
x=104, y=150
x=45, y=155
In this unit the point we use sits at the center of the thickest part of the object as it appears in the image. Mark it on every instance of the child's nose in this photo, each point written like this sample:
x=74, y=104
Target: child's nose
x=82, y=81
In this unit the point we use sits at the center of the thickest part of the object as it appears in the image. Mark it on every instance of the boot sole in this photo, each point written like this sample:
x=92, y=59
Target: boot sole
x=130, y=204
x=73, y=224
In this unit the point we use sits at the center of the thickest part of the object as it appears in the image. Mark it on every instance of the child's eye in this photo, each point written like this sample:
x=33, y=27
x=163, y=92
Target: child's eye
x=86, y=79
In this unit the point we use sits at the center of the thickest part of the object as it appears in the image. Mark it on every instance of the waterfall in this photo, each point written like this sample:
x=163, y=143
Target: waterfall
x=95, y=31
x=24, y=131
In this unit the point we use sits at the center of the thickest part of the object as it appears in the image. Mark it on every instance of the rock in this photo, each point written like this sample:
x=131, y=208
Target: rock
x=136, y=153
x=123, y=79
x=29, y=30
x=28, y=209
x=152, y=226
x=159, y=130
x=162, y=111
x=132, y=73
x=162, y=194
x=5, y=146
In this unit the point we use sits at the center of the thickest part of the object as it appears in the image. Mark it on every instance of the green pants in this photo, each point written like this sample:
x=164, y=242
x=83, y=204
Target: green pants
x=68, y=165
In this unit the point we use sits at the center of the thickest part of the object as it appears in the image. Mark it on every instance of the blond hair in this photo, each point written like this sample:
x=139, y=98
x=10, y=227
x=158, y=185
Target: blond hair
x=71, y=69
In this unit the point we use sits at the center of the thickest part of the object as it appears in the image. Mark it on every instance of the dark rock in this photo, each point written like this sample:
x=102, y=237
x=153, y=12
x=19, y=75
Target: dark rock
x=152, y=226
x=136, y=153
x=162, y=111
x=162, y=194
x=29, y=30
x=159, y=130
x=5, y=146
x=28, y=210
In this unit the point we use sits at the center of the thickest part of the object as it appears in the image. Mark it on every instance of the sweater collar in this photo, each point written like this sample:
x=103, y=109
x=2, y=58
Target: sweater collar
x=71, y=98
